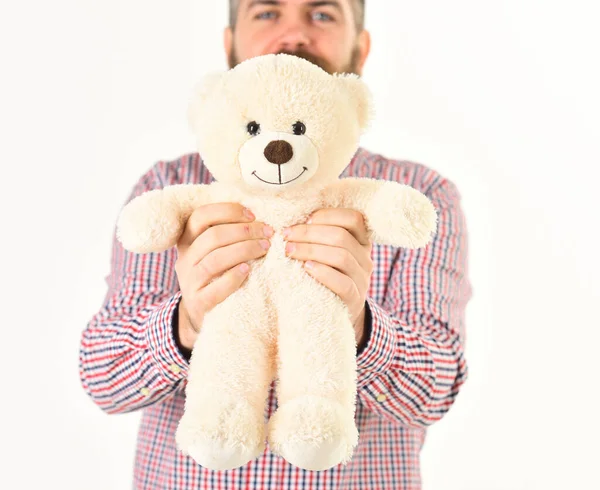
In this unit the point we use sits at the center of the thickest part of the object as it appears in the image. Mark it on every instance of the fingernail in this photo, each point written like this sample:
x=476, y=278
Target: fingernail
x=290, y=247
x=308, y=264
x=286, y=232
x=249, y=214
x=309, y=220
x=243, y=268
x=265, y=244
x=268, y=231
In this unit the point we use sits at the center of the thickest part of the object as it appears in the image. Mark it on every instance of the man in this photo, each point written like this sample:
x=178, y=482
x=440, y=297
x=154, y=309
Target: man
x=407, y=305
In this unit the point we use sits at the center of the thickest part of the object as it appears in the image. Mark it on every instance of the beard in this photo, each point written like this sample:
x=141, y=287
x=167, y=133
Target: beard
x=350, y=67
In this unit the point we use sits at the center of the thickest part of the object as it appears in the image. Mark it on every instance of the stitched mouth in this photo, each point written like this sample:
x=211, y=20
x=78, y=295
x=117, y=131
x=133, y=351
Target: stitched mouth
x=304, y=169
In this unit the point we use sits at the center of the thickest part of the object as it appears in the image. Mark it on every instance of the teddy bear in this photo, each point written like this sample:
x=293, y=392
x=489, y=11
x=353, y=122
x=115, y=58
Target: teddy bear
x=276, y=132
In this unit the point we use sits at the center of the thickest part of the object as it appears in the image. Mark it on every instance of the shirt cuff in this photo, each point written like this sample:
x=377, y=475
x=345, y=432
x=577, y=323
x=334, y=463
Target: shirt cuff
x=378, y=353
x=162, y=342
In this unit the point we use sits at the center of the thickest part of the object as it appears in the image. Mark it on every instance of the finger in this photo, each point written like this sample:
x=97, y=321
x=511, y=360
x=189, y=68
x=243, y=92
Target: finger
x=339, y=283
x=338, y=258
x=209, y=215
x=219, y=236
x=334, y=236
x=222, y=259
x=350, y=219
x=221, y=288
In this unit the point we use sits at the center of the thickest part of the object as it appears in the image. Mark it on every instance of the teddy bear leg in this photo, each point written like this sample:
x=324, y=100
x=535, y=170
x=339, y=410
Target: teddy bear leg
x=230, y=372
x=314, y=426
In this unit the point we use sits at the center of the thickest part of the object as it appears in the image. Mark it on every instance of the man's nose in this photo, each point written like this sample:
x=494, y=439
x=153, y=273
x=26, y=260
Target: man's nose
x=279, y=151
x=294, y=37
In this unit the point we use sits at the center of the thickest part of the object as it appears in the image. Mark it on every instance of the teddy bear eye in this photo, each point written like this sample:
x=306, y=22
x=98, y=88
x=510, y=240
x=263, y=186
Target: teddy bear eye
x=253, y=128
x=299, y=128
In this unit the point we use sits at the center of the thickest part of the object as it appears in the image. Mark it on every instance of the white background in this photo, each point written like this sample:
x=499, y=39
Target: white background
x=500, y=97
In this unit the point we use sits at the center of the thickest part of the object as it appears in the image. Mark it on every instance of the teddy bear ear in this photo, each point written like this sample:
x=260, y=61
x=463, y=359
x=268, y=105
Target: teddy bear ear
x=360, y=95
x=201, y=91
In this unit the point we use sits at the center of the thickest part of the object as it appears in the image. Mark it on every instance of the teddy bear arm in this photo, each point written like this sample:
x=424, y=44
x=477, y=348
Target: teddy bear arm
x=395, y=214
x=189, y=197
x=154, y=221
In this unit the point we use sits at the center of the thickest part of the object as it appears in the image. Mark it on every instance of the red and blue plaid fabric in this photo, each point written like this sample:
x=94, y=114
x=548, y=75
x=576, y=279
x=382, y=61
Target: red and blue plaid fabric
x=409, y=373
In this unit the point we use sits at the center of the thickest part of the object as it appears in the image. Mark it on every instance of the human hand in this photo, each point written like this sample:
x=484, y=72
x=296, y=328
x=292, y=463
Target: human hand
x=217, y=242
x=337, y=252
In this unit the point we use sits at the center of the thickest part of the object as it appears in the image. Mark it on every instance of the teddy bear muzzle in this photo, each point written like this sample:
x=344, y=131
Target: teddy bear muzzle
x=273, y=159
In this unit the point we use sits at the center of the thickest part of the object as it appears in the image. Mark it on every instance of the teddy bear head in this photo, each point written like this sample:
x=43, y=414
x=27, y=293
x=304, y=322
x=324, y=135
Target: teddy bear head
x=278, y=122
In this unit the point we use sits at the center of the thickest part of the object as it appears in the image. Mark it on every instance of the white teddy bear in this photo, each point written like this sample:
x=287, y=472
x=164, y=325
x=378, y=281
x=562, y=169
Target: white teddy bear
x=276, y=132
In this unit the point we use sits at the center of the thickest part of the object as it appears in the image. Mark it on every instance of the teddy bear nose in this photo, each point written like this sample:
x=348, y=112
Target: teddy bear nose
x=279, y=152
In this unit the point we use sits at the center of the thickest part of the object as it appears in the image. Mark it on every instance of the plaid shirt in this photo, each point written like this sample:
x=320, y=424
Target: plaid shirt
x=409, y=372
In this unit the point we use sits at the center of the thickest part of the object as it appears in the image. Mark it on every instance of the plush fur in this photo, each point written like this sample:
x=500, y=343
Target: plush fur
x=281, y=324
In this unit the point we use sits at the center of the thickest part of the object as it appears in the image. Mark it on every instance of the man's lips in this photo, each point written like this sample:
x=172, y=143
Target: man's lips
x=304, y=169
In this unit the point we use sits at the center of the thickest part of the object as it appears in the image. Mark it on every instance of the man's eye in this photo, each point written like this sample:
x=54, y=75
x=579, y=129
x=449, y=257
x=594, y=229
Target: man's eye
x=322, y=17
x=265, y=15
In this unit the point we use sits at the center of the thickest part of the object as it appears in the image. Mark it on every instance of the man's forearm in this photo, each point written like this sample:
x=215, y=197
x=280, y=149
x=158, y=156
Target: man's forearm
x=129, y=361
x=405, y=376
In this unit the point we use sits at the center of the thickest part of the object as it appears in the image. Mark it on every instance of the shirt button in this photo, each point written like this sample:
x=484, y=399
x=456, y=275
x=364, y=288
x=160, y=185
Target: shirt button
x=145, y=391
x=381, y=397
x=175, y=369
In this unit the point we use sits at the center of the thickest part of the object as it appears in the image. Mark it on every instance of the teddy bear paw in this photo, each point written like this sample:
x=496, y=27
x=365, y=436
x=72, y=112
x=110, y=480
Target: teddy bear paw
x=149, y=223
x=313, y=433
x=223, y=439
x=401, y=216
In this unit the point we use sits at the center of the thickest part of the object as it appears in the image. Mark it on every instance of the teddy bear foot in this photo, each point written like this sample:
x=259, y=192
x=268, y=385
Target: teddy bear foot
x=313, y=433
x=235, y=436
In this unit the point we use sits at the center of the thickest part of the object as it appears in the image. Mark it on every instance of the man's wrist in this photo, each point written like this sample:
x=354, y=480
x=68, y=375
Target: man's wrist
x=185, y=352
x=364, y=321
